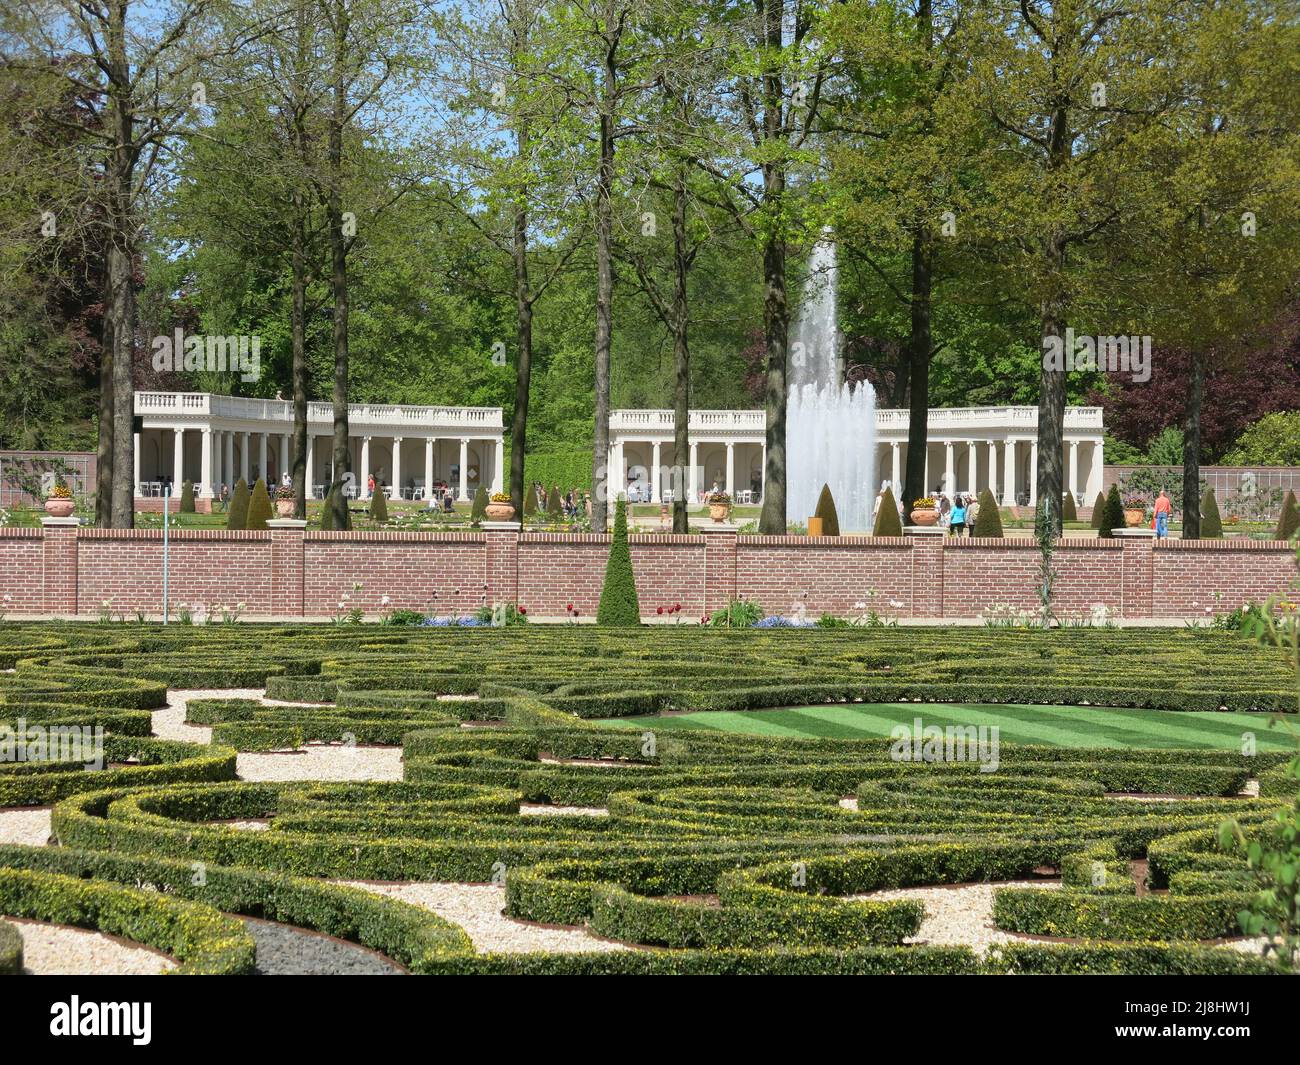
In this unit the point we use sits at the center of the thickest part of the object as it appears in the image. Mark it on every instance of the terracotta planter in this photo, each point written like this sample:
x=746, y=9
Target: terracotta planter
x=59, y=508
x=719, y=511
x=925, y=517
x=284, y=508
x=1134, y=518
x=500, y=511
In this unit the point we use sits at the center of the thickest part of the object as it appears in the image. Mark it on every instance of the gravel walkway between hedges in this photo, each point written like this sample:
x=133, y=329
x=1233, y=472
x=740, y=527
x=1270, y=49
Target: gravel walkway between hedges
x=477, y=909
x=541, y=810
x=58, y=950
x=283, y=950
x=28, y=825
x=961, y=915
x=315, y=762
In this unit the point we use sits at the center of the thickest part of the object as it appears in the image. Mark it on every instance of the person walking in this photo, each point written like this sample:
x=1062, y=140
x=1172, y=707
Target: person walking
x=972, y=511
x=1160, y=519
x=957, y=516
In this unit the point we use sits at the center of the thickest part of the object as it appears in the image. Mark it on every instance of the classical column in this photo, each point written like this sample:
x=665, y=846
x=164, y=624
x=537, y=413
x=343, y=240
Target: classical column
x=286, y=458
x=262, y=471
x=1009, y=474
x=228, y=464
x=731, y=469
x=136, y=445
x=428, y=467
x=205, y=469
x=1074, y=469
x=654, y=472
x=1095, y=472
x=694, y=478
x=462, y=493
x=310, y=476
x=896, y=468
x=363, y=489
x=498, y=470
x=1033, y=473
x=244, y=456
x=993, y=468
x=949, y=471
x=972, y=468
x=178, y=460
x=396, y=492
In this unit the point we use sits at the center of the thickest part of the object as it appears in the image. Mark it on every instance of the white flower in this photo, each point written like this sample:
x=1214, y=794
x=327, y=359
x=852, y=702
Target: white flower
x=341, y=605
x=859, y=606
x=384, y=601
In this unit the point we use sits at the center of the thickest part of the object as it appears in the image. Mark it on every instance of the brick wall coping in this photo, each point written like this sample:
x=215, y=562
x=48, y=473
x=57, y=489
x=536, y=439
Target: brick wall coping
x=824, y=541
x=604, y=538
x=408, y=537
x=1072, y=543
x=1169, y=544
x=86, y=532
x=18, y=533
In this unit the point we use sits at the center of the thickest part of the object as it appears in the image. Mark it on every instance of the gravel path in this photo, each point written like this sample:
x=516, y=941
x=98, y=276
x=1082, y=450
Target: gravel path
x=542, y=810
x=961, y=915
x=58, y=950
x=283, y=950
x=28, y=825
x=477, y=909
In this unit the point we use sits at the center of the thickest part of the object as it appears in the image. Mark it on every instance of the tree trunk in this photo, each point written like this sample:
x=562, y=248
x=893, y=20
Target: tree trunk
x=605, y=280
x=523, y=333
x=918, y=344
x=1051, y=391
x=121, y=263
x=342, y=454
x=104, y=450
x=681, y=360
x=298, y=329
x=1192, y=448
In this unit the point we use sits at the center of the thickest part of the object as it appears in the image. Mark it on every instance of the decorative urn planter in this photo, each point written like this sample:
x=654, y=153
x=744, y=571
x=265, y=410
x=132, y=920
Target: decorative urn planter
x=59, y=508
x=719, y=511
x=925, y=516
x=814, y=526
x=1134, y=517
x=284, y=508
x=500, y=511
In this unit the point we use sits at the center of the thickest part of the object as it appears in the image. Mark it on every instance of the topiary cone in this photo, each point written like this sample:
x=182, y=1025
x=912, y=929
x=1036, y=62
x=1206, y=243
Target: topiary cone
x=379, y=506
x=259, y=506
x=988, y=522
x=553, y=500
x=1211, y=523
x=1289, y=523
x=1069, y=512
x=1112, y=514
x=826, y=511
x=237, y=513
x=187, y=497
x=1098, y=509
x=888, y=523
x=618, y=600
x=479, y=506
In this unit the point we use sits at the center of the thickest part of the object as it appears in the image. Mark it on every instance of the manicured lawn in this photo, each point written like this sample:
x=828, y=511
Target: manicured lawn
x=1063, y=726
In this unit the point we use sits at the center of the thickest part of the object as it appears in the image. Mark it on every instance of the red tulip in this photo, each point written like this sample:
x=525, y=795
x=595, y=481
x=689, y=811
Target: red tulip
x=522, y=610
x=659, y=610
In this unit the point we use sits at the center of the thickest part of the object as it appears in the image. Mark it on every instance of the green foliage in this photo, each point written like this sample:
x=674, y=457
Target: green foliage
x=327, y=512
x=988, y=522
x=1274, y=440
x=1167, y=448
x=1288, y=523
x=479, y=507
x=826, y=511
x=738, y=614
x=530, y=500
x=187, y=497
x=1069, y=512
x=553, y=505
x=1112, y=514
x=237, y=511
x=888, y=521
x=618, y=599
x=259, y=506
x=11, y=950
x=379, y=506
x=1098, y=510
x=567, y=469
x=1211, y=523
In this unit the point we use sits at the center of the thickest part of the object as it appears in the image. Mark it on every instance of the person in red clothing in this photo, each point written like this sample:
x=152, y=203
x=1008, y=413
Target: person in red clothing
x=1160, y=519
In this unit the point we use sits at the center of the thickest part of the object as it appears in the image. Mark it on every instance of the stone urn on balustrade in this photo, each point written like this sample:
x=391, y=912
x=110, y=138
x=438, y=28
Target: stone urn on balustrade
x=925, y=512
x=499, y=508
x=719, y=506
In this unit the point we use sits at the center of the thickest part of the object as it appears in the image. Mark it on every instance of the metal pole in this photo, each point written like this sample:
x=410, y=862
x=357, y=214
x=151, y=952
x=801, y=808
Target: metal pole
x=167, y=506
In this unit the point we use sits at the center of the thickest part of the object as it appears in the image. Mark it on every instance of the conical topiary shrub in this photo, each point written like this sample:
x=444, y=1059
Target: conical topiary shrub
x=327, y=512
x=1098, y=509
x=530, y=500
x=888, y=523
x=1289, y=523
x=988, y=522
x=259, y=506
x=618, y=601
x=479, y=506
x=187, y=497
x=237, y=512
x=1069, y=512
x=1211, y=523
x=826, y=511
x=1112, y=514
x=553, y=500
x=379, y=506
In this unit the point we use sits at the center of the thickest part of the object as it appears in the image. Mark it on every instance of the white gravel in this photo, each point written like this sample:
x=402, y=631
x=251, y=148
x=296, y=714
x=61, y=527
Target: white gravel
x=28, y=825
x=477, y=909
x=59, y=950
x=542, y=810
x=961, y=915
x=323, y=762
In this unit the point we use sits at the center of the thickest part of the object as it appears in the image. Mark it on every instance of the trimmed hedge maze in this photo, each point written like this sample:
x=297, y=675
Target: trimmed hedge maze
x=715, y=852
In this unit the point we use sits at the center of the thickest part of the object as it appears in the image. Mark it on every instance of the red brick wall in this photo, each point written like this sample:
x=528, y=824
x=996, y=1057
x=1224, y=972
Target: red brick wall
x=291, y=572
x=826, y=573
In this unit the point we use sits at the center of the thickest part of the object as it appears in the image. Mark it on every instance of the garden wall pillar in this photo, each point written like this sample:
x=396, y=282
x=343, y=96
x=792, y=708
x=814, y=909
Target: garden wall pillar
x=288, y=566
x=502, y=561
x=1135, y=599
x=927, y=570
x=59, y=565
x=719, y=565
